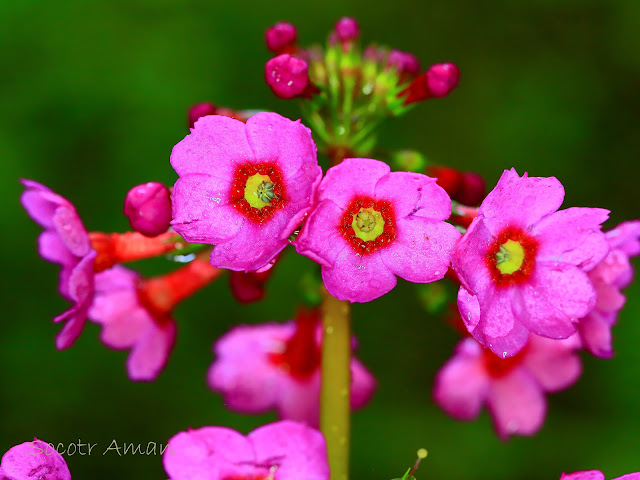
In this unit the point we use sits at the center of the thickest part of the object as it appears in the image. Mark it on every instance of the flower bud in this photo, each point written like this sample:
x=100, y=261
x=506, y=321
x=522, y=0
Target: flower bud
x=448, y=178
x=281, y=37
x=347, y=29
x=200, y=110
x=405, y=63
x=148, y=207
x=473, y=190
x=442, y=78
x=287, y=76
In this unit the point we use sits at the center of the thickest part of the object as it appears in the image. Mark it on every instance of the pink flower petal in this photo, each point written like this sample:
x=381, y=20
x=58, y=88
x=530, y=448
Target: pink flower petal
x=517, y=404
x=553, y=363
x=521, y=201
x=35, y=460
x=595, y=333
x=422, y=249
x=150, y=354
x=585, y=475
x=41, y=203
x=352, y=177
x=319, y=239
x=363, y=384
x=201, y=454
x=573, y=236
x=201, y=209
x=299, y=400
x=629, y=476
x=609, y=298
x=273, y=137
x=557, y=295
x=414, y=194
x=358, y=278
x=461, y=385
x=71, y=231
x=469, y=259
x=215, y=146
x=626, y=237
x=299, y=451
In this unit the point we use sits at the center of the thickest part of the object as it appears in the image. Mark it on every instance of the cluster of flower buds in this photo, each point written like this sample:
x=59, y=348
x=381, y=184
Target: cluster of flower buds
x=348, y=91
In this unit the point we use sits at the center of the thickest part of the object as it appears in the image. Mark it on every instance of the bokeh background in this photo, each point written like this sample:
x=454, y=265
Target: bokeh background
x=94, y=95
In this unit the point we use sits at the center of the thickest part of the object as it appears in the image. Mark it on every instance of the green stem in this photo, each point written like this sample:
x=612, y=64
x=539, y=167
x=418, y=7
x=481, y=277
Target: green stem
x=336, y=382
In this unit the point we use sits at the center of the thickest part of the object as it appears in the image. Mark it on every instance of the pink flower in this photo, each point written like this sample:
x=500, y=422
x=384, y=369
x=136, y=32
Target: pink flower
x=148, y=208
x=277, y=366
x=35, y=460
x=596, y=475
x=280, y=451
x=513, y=389
x=281, y=37
x=611, y=275
x=244, y=188
x=371, y=225
x=128, y=324
x=65, y=242
x=522, y=264
x=287, y=76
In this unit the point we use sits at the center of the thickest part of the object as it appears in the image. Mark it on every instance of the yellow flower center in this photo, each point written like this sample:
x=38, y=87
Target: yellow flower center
x=367, y=224
x=258, y=191
x=510, y=257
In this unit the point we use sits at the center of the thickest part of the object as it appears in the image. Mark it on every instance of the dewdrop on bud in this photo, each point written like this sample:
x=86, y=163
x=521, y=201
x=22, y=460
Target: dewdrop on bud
x=287, y=76
x=148, y=207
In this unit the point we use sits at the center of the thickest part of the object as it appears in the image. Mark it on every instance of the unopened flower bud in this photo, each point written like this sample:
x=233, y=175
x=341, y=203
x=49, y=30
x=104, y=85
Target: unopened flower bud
x=448, y=178
x=200, y=110
x=404, y=62
x=148, y=207
x=287, y=76
x=442, y=78
x=347, y=29
x=281, y=37
x=473, y=189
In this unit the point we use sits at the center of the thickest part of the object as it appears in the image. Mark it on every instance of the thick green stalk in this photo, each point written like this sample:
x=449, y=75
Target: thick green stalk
x=336, y=382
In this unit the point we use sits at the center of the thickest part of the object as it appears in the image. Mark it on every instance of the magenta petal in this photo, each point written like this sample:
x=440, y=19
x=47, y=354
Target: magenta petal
x=358, y=278
x=363, y=384
x=461, y=385
x=272, y=137
x=352, y=177
x=33, y=460
x=556, y=297
x=469, y=309
x=629, y=476
x=517, y=404
x=584, y=475
x=625, y=237
x=215, y=146
x=201, y=212
x=553, y=363
x=422, y=249
x=52, y=248
x=301, y=450
x=573, y=236
x=469, y=258
x=595, y=333
x=299, y=400
x=71, y=231
x=150, y=353
x=201, y=454
x=317, y=240
x=521, y=201
x=414, y=194
x=40, y=203
x=254, y=247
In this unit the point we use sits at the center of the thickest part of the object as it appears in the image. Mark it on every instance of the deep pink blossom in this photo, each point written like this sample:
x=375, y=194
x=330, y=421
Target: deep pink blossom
x=127, y=324
x=287, y=76
x=148, y=208
x=277, y=366
x=283, y=450
x=371, y=225
x=522, y=264
x=596, y=475
x=347, y=29
x=281, y=37
x=35, y=460
x=66, y=243
x=244, y=187
x=610, y=276
x=513, y=389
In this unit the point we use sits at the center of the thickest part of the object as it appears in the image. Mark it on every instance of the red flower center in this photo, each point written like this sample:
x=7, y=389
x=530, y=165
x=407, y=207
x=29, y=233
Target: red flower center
x=368, y=224
x=301, y=356
x=511, y=258
x=498, y=367
x=258, y=190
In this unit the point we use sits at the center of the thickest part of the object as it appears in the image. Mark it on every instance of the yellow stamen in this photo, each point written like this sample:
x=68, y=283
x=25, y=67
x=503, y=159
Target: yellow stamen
x=510, y=257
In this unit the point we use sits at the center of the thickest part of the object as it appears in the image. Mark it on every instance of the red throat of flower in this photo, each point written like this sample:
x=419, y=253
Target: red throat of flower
x=258, y=191
x=368, y=224
x=511, y=258
x=301, y=356
x=498, y=367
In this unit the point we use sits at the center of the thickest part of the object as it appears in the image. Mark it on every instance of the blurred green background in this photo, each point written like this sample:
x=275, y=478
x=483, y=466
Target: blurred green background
x=94, y=96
